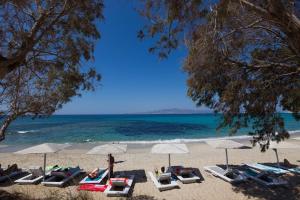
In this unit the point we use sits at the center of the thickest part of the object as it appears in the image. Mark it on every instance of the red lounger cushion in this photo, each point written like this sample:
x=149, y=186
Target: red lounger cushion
x=92, y=187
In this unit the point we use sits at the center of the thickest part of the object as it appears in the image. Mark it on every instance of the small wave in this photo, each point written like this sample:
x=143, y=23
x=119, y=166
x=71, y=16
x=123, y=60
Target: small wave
x=183, y=140
x=24, y=132
x=87, y=140
x=294, y=132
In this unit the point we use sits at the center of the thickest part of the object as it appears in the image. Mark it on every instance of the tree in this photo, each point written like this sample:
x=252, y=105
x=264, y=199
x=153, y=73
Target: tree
x=44, y=46
x=243, y=58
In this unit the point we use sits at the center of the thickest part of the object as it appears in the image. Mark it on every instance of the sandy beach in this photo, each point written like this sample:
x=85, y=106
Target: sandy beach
x=138, y=160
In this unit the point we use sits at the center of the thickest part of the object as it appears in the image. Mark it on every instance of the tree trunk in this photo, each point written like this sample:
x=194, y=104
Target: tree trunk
x=4, y=126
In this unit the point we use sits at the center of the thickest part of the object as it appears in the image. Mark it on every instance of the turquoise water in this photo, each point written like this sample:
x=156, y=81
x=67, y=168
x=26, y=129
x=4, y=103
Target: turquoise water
x=93, y=128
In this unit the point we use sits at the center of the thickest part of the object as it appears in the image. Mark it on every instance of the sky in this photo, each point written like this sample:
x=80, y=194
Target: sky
x=133, y=80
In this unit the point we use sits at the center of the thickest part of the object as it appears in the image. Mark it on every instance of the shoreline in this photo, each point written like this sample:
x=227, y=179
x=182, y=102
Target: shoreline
x=10, y=148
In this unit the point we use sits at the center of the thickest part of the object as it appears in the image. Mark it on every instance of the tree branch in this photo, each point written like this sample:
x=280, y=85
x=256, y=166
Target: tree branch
x=9, y=64
x=254, y=7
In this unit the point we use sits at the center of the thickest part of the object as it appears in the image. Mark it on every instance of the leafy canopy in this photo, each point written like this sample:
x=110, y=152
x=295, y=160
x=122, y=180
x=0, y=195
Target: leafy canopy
x=44, y=46
x=243, y=57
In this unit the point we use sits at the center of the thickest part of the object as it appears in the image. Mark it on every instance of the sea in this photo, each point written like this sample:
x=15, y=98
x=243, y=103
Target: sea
x=149, y=128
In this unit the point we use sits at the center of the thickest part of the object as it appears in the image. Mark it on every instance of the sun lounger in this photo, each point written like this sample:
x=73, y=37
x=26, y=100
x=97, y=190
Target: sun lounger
x=164, y=181
x=185, y=175
x=266, y=168
x=101, y=175
x=60, y=177
x=36, y=175
x=263, y=178
x=293, y=169
x=10, y=173
x=119, y=186
x=231, y=176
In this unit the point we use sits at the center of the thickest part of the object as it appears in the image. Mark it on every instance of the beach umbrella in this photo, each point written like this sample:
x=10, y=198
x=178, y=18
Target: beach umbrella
x=43, y=149
x=296, y=138
x=226, y=144
x=169, y=149
x=282, y=145
x=108, y=149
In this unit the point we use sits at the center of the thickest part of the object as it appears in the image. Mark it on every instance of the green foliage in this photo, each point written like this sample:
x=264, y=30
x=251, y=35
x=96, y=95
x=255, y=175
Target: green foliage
x=243, y=59
x=169, y=19
x=44, y=49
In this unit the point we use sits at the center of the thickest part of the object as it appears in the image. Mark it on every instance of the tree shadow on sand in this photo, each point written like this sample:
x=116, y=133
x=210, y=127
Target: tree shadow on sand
x=11, y=181
x=75, y=181
x=139, y=175
x=198, y=173
x=141, y=197
x=251, y=188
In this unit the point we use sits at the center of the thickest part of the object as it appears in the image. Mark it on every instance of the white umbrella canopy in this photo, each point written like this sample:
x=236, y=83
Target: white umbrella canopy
x=282, y=145
x=296, y=138
x=169, y=149
x=226, y=144
x=43, y=149
x=108, y=149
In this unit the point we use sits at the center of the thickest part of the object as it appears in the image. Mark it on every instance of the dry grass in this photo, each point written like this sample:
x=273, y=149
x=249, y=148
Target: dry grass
x=54, y=195
x=50, y=195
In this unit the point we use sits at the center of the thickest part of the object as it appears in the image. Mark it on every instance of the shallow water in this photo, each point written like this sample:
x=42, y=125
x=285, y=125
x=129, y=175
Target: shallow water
x=104, y=128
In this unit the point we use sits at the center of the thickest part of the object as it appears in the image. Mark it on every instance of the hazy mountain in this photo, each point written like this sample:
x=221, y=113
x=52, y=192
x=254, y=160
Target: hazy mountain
x=173, y=111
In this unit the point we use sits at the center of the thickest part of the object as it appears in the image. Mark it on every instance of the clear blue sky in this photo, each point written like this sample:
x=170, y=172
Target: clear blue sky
x=133, y=80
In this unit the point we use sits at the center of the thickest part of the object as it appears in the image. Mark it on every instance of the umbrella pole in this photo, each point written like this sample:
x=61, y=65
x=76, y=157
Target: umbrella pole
x=44, y=175
x=226, y=159
x=277, y=157
x=169, y=160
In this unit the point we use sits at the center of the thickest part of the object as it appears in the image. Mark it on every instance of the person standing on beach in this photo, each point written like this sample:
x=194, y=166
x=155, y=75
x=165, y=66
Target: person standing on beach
x=111, y=161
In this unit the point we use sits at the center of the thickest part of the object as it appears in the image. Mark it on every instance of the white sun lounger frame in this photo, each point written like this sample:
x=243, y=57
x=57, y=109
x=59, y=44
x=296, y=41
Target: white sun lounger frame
x=49, y=182
x=84, y=181
x=264, y=168
x=275, y=181
x=194, y=178
x=295, y=170
x=26, y=179
x=109, y=192
x=162, y=187
x=212, y=170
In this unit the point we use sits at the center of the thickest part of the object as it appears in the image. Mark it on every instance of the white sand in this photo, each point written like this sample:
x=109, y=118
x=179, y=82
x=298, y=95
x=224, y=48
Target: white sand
x=139, y=158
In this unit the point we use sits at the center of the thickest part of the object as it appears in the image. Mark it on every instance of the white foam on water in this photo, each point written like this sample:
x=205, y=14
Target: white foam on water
x=294, y=132
x=180, y=140
x=183, y=140
x=88, y=140
x=24, y=132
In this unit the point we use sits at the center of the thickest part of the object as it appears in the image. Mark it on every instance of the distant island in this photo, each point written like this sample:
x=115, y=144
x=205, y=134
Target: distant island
x=174, y=111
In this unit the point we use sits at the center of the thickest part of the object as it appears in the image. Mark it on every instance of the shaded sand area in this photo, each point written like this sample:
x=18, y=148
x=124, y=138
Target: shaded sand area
x=139, y=161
